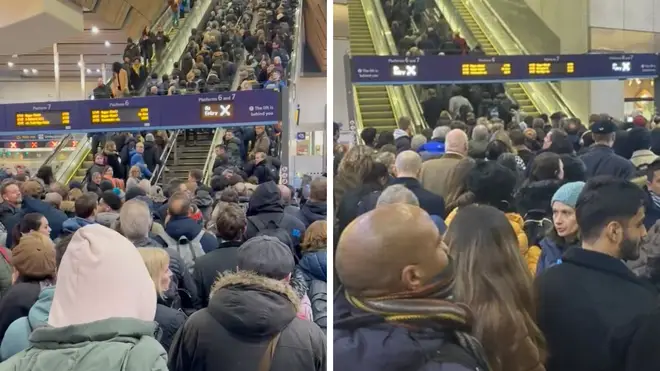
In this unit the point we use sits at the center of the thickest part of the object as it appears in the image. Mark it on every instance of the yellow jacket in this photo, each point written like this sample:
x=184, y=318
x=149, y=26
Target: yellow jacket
x=530, y=254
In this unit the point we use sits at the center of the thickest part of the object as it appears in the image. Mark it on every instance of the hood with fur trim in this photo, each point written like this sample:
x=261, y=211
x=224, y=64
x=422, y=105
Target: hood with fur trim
x=251, y=305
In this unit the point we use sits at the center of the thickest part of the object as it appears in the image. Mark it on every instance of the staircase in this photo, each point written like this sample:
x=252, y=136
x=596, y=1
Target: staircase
x=191, y=156
x=373, y=101
x=515, y=90
x=79, y=176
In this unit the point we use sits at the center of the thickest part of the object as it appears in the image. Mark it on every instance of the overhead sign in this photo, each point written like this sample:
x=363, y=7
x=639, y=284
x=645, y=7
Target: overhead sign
x=254, y=107
x=469, y=69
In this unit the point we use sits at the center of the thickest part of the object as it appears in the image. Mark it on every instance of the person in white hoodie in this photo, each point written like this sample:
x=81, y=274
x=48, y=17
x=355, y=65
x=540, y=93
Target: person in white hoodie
x=102, y=315
x=403, y=134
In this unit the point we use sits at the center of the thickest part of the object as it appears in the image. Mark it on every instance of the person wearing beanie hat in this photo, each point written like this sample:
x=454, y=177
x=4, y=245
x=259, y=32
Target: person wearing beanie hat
x=565, y=232
x=34, y=268
x=102, y=312
x=252, y=314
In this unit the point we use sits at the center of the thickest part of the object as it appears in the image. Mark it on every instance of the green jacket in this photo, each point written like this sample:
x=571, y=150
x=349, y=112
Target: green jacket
x=115, y=344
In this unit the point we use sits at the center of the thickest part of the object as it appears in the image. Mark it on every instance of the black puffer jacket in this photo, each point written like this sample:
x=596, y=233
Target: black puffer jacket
x=169, y=320
x=536, y=196
x=244, y=314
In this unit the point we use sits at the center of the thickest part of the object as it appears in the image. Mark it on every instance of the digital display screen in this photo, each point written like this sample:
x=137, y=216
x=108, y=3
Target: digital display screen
x=485, y=69
x=468, y=69
x=219, y=111
x=551, y=68
x=46, y=118
x=109, y=116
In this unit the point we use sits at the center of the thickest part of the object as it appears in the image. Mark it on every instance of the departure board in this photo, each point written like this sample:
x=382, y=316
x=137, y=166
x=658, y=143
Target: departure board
x=485, y=69
x=109, y=116
x=44, y=118
x=551, y=68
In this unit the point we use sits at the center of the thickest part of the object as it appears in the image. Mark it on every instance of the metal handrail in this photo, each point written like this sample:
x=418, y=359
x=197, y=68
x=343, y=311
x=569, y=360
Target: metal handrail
x=169, y=146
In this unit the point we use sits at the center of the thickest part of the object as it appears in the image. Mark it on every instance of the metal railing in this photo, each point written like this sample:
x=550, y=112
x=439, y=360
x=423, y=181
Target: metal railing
x=169, y=147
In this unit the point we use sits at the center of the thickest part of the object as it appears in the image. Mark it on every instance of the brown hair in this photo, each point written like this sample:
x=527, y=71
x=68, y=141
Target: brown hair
x=316, y=237
x=494, y=281
x=355, y=164
x=457, y=184
x=231, y=222
x=503, y=137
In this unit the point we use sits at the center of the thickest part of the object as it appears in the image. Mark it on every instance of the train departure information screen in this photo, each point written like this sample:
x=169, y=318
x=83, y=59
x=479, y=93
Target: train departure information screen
x=46, y=118
x=485, y=69
x=550, y=68
x=109, y=116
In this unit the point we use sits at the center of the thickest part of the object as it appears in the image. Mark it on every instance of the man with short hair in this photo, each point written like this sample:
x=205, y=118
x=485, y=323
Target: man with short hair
x=436, y=173
x=600, y=159
x=477, y=146
x=54, y=199
x=85, y=211
x=178, y=223
x=108, y=210
x=402, y=134
x=316, y=207
x=10, y=206
x=592, y=292
x=388, y=260
x=263, y=169
x=230, y=227
x=408, y=166
x=251, y=318
x=397, y=194
x=197, y=176
x=261, y=142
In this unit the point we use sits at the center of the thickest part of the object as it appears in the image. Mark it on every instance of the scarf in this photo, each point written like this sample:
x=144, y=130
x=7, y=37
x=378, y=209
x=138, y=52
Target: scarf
x=429, y=307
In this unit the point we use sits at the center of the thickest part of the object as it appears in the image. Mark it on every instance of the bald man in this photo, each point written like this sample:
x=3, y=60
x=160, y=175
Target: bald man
x=408, y=168
x=393, y=251
x=436, y=173
x=287, y=197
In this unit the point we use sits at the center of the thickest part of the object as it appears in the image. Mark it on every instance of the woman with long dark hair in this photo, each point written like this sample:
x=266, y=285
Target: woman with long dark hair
x=493, y=280
x=29, y=223
x=45, y=174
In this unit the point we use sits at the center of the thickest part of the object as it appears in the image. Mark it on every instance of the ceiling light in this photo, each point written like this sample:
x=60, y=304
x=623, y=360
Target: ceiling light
x=95, y=30
x=25, y=70
x=98, y=70
x=14, y=55
x=10, y=64
x=88, y=70
x=107, y=43
x=80, y=64
x=34, y=71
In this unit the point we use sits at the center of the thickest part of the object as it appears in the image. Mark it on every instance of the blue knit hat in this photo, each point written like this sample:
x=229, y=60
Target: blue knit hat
x=568, y=194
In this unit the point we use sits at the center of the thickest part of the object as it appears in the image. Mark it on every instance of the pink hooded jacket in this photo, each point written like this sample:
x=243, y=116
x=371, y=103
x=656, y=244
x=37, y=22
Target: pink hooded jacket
x=101, y=276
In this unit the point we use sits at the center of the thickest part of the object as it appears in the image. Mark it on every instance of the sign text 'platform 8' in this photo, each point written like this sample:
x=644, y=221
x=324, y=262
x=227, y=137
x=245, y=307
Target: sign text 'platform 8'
x=255, y=107
x=469, y=69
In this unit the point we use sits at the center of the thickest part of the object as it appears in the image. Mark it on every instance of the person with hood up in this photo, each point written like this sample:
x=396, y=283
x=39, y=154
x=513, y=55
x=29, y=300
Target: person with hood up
x=230, y=226
x=169, y=319
x=403, y=134
x=137, y=159
x=151, y=153
x=86, y=207
x=261, y=142
x=316, y=207
x=98, y=319
x=17, y=336
x=108, y=209
x=256, y=303
x=32, y=203
x=313, y=269
x=265, y=211
x=565, y=232
x=394, y=310
x=490, y=183
x=178, y=224
x=34, y=269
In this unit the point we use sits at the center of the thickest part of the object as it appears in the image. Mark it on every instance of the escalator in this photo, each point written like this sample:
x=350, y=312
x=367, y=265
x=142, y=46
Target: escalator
x=515, y=90
x=187, y=156
x=375, y=108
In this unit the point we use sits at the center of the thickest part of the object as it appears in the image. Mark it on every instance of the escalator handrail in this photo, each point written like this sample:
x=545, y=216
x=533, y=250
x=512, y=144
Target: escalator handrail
x=409, y=95
x=394, y=95
x=558, y=95
x=169, y=146
x=57, y=148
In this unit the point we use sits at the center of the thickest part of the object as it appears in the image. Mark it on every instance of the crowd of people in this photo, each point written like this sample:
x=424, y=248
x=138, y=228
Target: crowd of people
x=124, y=275
x=499, y=245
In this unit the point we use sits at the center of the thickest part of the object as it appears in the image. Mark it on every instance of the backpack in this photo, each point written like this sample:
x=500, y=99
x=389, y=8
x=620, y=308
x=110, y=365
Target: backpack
x=536, y=226
x=273, y=227
x=189, y=250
